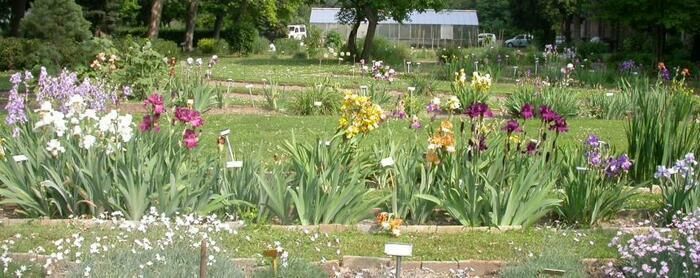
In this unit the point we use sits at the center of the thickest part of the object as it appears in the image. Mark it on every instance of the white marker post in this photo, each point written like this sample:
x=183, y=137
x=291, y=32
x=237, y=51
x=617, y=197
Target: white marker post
x=232, y=163
x=398, y=250
x=364, y=90
x=20, y=158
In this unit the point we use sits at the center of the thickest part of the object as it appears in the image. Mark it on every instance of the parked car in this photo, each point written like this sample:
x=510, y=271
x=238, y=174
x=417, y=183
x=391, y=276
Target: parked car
x=297, y=32
x=522, y=40
x=486, y=38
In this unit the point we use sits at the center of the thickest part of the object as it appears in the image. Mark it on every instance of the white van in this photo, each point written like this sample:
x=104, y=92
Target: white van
x=297, y=32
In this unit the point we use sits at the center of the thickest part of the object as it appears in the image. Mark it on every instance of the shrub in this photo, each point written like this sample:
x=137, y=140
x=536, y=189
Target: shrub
x=608, y=106
x=319, y=100
x=592, y=50
x=334, y=40
x=56, y=21
x=260, y=45
x=313, y=41
x=211, y=46
x=287, y=46
x=165, y=47
x=17, y=53
x=391, y=53
x=242, y=38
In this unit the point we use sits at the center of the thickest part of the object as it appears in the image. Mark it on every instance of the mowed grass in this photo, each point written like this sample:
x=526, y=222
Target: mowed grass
x=251, y=241
x=260, y=135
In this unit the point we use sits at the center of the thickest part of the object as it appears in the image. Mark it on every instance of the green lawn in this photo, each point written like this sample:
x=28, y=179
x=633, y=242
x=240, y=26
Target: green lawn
x=259, y=134
x=249, y=241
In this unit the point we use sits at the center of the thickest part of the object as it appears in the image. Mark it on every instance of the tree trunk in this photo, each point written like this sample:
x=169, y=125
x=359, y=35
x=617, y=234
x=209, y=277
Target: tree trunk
x=218, y=24
x=154, y=22
x=576, y=31
x=567, y=27
x=373, y=20
x=191, y=20
x=18, y=9
x=660, y=42
x=241, y=12
x=352, y=39
x=695, y=49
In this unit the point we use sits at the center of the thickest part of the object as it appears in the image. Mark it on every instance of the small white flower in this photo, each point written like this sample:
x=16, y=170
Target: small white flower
x=190, y=61
x=451, y=149
x=88, y=141
x=54, y=147
x=436, y=101
x=199, y=61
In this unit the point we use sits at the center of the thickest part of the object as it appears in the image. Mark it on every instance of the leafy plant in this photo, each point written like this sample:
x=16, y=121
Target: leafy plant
x=660, y=128
x=271, y=94
x=563, y=100
x=318, y=100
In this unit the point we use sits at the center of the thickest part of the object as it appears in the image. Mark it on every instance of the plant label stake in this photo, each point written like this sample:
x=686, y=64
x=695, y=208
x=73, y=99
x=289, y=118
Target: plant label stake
x=409, y=66
x=363, y=90
x=552, y=272
x=232, y=163
x=20, y=158
x=203, y=258
x=273, y=255
x=398, y=250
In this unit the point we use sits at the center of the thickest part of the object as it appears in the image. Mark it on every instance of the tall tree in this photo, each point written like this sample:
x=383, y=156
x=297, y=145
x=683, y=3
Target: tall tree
x=191, y=21
x=376, y=10
x=18, y=7
x=154, y=22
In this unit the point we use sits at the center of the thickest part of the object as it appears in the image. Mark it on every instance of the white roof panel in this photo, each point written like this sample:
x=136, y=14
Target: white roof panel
x=429, y=17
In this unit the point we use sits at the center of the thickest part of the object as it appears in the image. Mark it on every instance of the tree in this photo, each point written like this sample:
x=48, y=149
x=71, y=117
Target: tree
x=191, y=20
x=355, y=11
x=103, y=14
x=18, y=8
x=154, y=22
x=57, y=21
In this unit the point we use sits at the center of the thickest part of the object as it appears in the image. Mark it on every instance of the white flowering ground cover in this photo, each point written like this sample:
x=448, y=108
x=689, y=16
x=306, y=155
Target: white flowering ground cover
x=145, y=245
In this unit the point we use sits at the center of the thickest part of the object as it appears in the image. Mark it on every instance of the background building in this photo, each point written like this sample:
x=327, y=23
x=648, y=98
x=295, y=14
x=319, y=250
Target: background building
x=429, y=29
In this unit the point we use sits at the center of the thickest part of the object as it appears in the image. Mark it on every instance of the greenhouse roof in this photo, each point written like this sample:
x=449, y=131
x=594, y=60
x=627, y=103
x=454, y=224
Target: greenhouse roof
x=429, y=17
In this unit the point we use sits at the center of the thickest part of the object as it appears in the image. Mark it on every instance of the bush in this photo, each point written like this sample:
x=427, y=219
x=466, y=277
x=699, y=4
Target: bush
x=260, y=45
x=57, y=21
x=17, y=53
x=242, y=38
x=287, y=46
x=592, y=50
x=212, y=46
x=319, y=100
x=313, y=41
x=392, y=54
x=334, y=40
x=165, y=47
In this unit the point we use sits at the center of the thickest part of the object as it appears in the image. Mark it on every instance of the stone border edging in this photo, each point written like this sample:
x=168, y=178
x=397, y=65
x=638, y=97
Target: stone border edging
x=479, y=268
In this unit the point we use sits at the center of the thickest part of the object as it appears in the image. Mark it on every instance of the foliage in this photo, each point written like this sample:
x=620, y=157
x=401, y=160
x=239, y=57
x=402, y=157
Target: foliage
x=328, y=182
x=660, y=129
x=271, y=92
x=407, y=179
x=167, y=48
x=592, y=50
x=659, y=252
x=17, y=53
x=287, y=46
x=593, y=183
x=391, y=53
x=609, y=106
x=57, y=21
x=313, y=41
x=679, y=187
x=551, y=258
x=561, y=99
x=242, y=38
x=318, y=100
x=293, y=268
x=212, y=46
x=120, y=262
x=333, y=40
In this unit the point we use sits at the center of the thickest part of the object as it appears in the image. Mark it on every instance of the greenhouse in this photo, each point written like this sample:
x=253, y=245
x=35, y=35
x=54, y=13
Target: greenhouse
x=430, y=29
